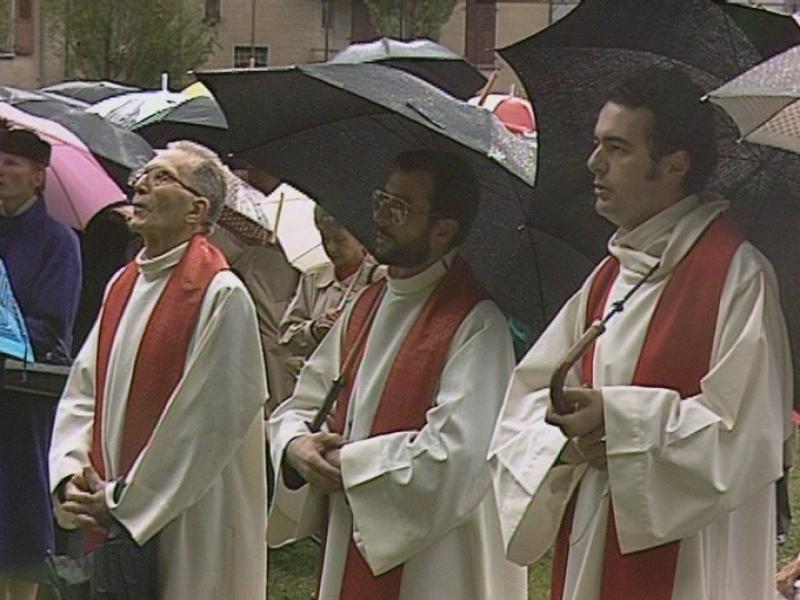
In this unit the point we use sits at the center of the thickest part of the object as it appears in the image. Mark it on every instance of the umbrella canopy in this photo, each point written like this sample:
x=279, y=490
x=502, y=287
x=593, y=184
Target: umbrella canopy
x=424, y=58
x=89, y=91
x=77, y=187
x=161, y=117
x=334, y=130
x=764, y=101
x=118, y=149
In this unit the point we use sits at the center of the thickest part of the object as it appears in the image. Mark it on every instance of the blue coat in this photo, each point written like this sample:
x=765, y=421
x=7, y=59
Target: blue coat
x=44, y=265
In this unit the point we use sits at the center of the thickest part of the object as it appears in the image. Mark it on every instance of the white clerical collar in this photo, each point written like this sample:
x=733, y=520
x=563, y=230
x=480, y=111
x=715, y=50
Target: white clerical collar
x=24, y=207
x=151, y=268
x=667, y=236
x=655, y=231
x=424, y=279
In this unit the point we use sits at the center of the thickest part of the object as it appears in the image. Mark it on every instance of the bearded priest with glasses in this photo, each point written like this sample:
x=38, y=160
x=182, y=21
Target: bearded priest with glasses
x=158, y=448
x=423, y=358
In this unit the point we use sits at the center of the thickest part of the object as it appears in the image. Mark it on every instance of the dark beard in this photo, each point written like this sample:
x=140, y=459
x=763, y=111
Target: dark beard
x=412, y=254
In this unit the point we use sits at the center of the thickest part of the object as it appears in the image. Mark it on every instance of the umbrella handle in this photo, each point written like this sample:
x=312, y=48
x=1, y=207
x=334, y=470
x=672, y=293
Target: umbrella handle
x=574, y=354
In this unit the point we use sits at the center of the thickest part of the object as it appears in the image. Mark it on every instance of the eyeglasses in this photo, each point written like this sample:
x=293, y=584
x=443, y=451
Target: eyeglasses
x=397, y=206
x=154, y=177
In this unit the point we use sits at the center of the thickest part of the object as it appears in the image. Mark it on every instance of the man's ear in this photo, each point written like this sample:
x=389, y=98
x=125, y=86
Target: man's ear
x=198, y=215
x=444, y=232
x=677, y=164
x=40, y=176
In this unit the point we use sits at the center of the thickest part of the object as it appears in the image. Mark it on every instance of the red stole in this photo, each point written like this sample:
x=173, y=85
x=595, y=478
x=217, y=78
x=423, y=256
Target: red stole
x=162, y=352
x=676, y=355
x=408, y=394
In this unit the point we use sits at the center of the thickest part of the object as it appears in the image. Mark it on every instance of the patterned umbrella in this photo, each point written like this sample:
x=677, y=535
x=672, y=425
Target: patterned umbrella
x=765, y=101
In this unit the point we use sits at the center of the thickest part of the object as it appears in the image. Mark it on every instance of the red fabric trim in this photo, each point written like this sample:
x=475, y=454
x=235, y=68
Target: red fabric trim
x=163, y=348
x=408, y=394
x=682, y=329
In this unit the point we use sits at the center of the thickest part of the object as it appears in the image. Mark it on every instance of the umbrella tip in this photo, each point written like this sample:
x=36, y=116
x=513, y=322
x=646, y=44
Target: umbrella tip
x=164, y=82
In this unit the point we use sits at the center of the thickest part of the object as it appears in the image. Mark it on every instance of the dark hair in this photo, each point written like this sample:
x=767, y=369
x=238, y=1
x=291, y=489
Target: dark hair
x=680, y=120
x=456, y=191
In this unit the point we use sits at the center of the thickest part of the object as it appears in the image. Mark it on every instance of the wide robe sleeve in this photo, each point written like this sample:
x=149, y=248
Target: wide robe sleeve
x=531, y=493
x=677, y=465
x=72, y=430
x=297, y=513
x=222, y=391
x=408, y=489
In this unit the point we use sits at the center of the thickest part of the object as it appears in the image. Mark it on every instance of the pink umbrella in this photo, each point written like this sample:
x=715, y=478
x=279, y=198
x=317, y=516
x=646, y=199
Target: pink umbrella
x=77, y=186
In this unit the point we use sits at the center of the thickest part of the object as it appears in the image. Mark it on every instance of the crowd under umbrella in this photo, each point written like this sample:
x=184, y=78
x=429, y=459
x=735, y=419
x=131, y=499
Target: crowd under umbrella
x=333, y=130
x=77, y=186
x=424, y=58
x=119, y=150
x=89, y=91
x=569, y=68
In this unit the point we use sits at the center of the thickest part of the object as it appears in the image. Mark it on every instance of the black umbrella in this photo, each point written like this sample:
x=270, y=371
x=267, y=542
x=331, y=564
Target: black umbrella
x=161, y=116
x=424, y=58
x=199, y=120
x=334, y=130
x=89, y=91
x=569, y=68
x=119, y=150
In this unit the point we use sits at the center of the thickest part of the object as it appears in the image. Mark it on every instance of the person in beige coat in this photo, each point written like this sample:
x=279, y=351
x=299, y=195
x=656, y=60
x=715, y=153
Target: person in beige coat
x=324, y=291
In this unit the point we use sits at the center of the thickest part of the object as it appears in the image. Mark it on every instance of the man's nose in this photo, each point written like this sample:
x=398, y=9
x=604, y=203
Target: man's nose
x=381, y=214
x=596, y=162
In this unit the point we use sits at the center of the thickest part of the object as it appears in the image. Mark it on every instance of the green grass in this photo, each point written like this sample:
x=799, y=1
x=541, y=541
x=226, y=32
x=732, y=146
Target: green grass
x=293, y=569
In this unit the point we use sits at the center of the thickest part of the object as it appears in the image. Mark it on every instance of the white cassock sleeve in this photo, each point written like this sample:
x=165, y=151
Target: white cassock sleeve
x=72, y=430
x=408, y=489
x=297, y=513
x=677, y=465
x=524, y=448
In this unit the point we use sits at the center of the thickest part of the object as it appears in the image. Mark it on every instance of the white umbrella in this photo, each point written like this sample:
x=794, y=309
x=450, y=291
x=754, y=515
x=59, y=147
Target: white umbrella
x=288, y=213
x=763, y=101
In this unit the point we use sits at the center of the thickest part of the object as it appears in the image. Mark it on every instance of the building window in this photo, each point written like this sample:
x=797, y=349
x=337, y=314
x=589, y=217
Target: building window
x=481, y=24
x=213, y=11
x=248, y=56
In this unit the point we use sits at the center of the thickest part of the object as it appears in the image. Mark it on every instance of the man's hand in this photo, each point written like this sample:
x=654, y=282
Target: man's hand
x=85, y=497
x=587, y=415
x=306, y=454
x=323, y=323
x=589, y=448
x=787, y=576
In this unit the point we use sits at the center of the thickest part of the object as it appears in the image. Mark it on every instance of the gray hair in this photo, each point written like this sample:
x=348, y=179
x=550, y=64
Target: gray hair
x=206, y=174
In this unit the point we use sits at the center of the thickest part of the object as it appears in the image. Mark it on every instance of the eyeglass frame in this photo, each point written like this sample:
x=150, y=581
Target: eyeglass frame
x=380, y=200
x=136, y=177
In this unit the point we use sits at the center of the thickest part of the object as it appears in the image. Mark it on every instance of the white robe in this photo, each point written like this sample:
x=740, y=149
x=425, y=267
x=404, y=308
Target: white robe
x=200, y=482
x=699, y=470
x=418, y=498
